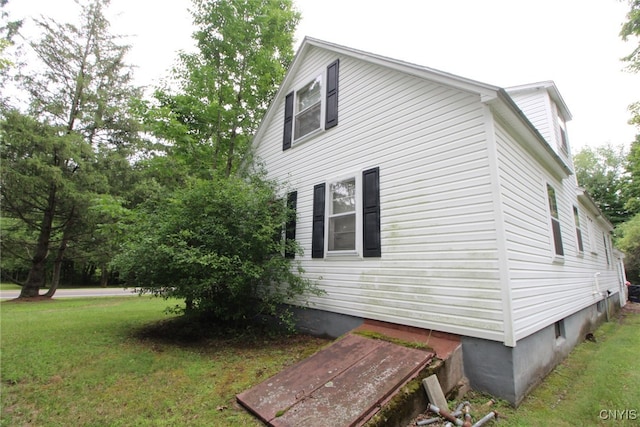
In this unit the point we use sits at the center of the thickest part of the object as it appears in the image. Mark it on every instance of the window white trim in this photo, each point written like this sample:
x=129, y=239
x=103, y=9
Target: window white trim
x=322, y=77
x=357, y=251
x=555, y=236
x=563, y=141
x=579, y=231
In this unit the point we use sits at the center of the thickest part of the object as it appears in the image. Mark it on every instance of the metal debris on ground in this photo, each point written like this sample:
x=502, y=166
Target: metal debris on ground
x=460, y=416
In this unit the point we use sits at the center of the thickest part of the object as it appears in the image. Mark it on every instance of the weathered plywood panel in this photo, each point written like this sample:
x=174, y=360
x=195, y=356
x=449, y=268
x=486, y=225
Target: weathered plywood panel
x=342, y=385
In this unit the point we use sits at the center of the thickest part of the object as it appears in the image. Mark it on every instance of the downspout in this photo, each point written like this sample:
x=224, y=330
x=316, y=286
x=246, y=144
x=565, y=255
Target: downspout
x=596, y=283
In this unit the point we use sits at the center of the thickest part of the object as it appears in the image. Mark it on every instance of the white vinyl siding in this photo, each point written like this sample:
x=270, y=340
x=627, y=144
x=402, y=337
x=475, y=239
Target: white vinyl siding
x=446, y=264
x=544, y=115
x=536, y=106
x=439, y=265
x=543, y=292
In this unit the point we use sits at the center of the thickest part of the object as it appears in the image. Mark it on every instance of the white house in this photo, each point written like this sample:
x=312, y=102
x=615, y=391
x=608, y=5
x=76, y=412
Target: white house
x=434, y=201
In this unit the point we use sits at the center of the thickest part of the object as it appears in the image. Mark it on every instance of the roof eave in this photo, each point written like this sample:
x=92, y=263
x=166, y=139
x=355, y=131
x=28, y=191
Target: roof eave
x=585, y=198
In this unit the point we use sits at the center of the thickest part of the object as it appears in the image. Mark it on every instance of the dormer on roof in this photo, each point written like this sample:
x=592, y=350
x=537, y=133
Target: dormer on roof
x=544, y=107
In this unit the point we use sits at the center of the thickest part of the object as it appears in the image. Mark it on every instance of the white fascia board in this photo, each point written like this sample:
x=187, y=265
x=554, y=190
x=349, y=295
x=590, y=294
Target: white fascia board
x=588, y=202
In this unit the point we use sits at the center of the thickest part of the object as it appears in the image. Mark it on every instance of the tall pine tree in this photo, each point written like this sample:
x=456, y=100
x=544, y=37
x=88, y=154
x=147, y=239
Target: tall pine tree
x=78, y=116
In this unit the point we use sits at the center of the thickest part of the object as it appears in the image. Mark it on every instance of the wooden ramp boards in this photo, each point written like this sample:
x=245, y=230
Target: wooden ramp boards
x=342, y=385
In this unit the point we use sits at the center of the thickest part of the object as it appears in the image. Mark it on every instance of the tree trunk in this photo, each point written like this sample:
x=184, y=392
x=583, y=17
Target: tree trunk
x=104, y=276
x=37, y=272
x=189, y=308
x=232, y=142
x=57, y=264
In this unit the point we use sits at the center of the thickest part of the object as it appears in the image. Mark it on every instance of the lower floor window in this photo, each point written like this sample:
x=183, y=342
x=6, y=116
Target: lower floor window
x=342, y=216
x=346, y=216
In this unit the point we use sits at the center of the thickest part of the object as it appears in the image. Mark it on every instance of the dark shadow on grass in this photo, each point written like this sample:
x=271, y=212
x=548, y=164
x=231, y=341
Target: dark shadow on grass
x=207, y=333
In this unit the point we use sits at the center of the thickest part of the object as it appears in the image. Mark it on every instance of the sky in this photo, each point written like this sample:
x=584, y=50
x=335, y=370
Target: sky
x=575, y=43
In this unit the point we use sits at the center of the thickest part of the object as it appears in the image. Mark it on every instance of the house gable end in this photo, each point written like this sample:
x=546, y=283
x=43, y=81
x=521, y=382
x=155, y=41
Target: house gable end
x=306, y=49
x=497, y=98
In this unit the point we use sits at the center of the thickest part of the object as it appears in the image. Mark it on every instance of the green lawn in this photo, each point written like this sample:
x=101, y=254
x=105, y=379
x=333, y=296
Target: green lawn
x=597, y=385
x=97, y=362
x=83, y=362
x=9, y=287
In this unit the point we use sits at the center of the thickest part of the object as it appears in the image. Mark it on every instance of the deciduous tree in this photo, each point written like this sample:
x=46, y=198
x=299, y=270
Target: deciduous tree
x=243, y=50
x=601, y=171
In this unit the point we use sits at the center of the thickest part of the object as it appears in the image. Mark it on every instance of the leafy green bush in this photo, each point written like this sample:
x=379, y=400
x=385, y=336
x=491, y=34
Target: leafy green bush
x=218, y=245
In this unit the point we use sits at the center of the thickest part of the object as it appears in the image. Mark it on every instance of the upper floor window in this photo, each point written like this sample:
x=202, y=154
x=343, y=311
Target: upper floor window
x=564, y=144
x=308, y=108
x=555, y=221
x=312, y=107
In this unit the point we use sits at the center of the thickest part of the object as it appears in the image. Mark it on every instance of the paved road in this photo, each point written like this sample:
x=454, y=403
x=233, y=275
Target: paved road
x=76, y=293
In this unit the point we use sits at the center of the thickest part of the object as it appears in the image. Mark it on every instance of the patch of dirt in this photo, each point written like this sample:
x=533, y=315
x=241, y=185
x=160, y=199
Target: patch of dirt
x=202, y=332
x=631, y=307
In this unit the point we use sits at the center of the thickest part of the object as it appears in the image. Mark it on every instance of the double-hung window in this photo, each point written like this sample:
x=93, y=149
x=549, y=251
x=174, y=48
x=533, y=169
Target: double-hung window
x=555, y=221
x=342, y=216
x=308, y=111
x=311, y=107
x=576, y=216
x=562, y=128
x=351, y=214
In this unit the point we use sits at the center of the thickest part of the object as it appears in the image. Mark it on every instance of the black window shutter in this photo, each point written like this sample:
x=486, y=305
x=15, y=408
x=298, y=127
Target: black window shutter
x=371, y=212
x=288, y=122
x=317, y=231
x=290, y=228
x=331, y=117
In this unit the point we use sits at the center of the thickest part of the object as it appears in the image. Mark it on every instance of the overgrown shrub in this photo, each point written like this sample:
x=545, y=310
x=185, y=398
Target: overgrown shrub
x=218, y=244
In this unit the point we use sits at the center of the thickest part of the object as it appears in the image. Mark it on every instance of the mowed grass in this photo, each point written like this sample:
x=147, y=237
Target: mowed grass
x=105, y=362
x=93, y=362
x=9, y=287
x=598, y=384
